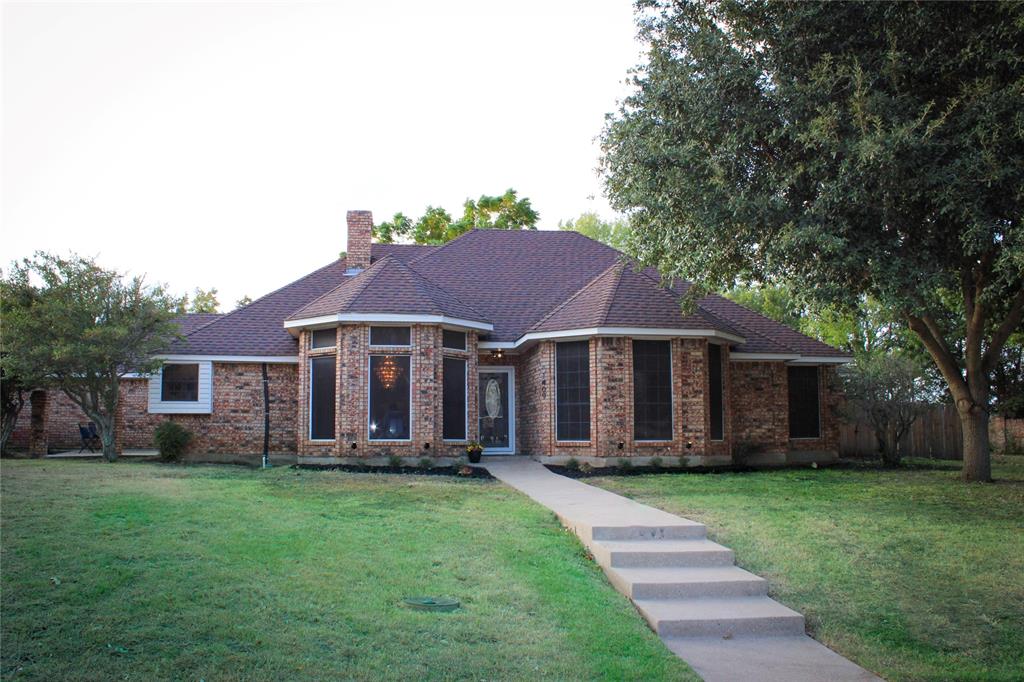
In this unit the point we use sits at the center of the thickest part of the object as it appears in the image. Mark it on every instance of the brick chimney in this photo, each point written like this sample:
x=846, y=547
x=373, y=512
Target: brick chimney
x=360, y=229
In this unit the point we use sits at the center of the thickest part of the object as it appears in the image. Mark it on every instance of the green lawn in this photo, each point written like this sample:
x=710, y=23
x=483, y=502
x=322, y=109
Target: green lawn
x=137, y=571
x=910, y=573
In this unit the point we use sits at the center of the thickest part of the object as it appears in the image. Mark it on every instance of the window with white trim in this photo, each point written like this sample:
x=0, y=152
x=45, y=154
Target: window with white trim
x=390, y=414
x=179, y=383
x=716, y=391
x=453, y=340
x=652, y=390
x=572, y=390
x=804, y=407
x=322, y=403
x=453, y=399
x=324, y=338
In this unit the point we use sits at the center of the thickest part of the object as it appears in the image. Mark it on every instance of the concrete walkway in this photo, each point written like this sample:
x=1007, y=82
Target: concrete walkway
x=711, y=613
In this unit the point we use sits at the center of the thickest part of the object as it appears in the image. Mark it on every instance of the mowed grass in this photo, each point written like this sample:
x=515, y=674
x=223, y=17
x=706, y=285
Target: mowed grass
x=137, y=571
x=910, y=573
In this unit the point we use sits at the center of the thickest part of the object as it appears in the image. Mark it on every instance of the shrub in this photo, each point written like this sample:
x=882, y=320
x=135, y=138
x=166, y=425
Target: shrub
x=394, y=461
x=655, y=463
x=572, y=464
x=624, y=463
x=426, y=463
x=171, y=440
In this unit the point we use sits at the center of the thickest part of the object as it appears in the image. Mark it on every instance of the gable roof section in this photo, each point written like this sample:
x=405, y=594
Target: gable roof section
x=622, y=297
x=258, y=328
x=388, y=287
x=765, y=335
x=190, y=322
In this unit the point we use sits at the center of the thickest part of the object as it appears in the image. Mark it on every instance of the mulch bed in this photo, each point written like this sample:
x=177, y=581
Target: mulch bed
x=475, y=472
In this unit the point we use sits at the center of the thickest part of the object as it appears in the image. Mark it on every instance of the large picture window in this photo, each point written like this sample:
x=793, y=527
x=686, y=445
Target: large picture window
x=804, y=411
x=453, y=401
x=180, y=383
x=390, y=417
x=572, y=380
x=322, y=402
x=716, y=391
x=652, y=390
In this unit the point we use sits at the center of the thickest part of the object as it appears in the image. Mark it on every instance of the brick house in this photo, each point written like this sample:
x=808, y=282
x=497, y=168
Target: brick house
x=543, y=343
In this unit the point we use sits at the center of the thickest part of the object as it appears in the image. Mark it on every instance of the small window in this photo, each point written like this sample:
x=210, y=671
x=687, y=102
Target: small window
x=389, y=396
x=454, y=399
x=804, y=415
x=389, y=336
x=715, y=391
x=572, y=394
x=180, y=383
x=453, y=340
x=321, y=398
x=324, y=338
x=652, y=390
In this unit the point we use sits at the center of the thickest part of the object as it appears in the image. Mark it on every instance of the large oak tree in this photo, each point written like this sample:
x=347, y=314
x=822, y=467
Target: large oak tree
x=850, y=149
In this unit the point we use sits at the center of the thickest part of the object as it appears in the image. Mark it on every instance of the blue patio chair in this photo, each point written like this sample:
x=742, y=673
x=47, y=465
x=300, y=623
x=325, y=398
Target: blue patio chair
x=90, y=438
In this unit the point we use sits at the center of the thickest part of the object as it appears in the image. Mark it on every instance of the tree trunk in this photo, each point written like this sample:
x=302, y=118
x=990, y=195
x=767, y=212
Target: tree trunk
x=106, y=431
x=977, y=464
x=10, y=420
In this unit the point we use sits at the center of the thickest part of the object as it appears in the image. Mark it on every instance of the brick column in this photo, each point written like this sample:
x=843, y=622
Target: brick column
x=37, y=442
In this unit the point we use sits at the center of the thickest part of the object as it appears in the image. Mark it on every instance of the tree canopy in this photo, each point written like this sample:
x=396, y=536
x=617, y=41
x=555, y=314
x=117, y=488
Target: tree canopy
x=850, y=149
x=614, y=233
x=436, y=226
x=202, y=301
x=81, y=328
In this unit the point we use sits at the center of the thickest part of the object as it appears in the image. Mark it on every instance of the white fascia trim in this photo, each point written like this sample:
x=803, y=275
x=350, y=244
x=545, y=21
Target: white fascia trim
x=755, y=357
x=273, y=359
x=496, y=345
x=327, y=320
x=823, y=360
x=637, y=332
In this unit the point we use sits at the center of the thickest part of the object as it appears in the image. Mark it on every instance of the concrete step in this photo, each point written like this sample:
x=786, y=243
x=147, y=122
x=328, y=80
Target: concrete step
x=660, y=553
x=721, y=617
x=687, y=582
x=690, y=530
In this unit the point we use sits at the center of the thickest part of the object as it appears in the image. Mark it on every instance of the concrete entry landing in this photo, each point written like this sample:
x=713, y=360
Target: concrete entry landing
x=709, y=612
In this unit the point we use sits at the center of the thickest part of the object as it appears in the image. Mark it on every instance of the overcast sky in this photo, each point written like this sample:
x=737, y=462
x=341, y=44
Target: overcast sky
x=219, y=145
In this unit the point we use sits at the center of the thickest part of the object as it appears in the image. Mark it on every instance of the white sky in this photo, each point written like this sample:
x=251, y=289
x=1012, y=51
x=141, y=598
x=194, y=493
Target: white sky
x=219, y=145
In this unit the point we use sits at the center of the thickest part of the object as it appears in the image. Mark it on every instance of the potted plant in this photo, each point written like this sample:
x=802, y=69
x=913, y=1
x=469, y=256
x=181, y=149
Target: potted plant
x=473, y=451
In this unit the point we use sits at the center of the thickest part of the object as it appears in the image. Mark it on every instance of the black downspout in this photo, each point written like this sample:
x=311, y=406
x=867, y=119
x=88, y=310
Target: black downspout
x=266, y=418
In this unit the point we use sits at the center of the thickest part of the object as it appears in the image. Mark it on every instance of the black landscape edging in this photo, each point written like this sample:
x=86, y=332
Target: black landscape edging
x=477, y=472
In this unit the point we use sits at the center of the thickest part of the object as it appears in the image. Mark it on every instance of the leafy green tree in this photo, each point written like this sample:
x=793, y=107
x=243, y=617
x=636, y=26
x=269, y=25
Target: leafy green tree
x=436, y=226
x=203, y=301
x=850, y=149
x=17, y=379
x=83, y=328
x=244, y=301
x=614, y=233
x=884, y=391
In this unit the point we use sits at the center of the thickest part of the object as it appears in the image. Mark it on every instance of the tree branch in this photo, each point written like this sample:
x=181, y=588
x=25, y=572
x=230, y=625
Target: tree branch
x=944, y=360
x=1002, y=333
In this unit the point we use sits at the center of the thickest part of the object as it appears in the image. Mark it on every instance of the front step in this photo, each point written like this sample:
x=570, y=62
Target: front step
x=720, y=617
x=660, y=553
x=687, y=582
x=681, y=531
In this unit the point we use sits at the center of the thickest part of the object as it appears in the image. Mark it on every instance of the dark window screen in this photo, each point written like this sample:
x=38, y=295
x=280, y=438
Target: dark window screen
x=803, y=402
x=454, y=340
x=321, y=398
x=715, y=390
x=389, y=397
x=454, y=399
x=573, y=394
x=180, y=383
x=325, y=338
x=652, y=390
x=389, y=336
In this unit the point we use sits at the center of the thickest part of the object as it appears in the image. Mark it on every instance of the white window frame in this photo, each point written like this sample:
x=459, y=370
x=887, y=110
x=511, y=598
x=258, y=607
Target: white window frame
x=671, y=394
x=721, y=375
x=818, y=383
x=465, y=399
x=312, y=332
x=590, y=428
x=309, y=390
x=465, y=340
x=369, y=396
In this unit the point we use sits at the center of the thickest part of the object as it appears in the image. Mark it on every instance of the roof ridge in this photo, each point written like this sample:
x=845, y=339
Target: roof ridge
x=361, y=283
x=204, y=325
x=423, y=277
x=440, y=247
x=266, y=295
x=579, y=292
x=620, y=266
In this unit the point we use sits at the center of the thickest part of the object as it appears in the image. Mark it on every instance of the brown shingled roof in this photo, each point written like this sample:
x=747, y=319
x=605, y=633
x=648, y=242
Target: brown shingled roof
x=388, y=286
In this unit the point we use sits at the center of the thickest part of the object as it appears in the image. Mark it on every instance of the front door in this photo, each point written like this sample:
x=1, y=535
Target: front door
x=497, y=410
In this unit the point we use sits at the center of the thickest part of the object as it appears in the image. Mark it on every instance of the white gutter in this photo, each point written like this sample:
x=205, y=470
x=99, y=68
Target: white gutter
x=272, y=359
x=322, y=321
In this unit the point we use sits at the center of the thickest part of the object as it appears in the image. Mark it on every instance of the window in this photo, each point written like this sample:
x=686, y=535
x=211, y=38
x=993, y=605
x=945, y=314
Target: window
x=180, y=383
x=803, y=403
x=453, y=340
x=389, y=336
x=652, y=390
x=324, y=338
x=572, y=390
x=321, y=398
x=389, y=396
x=715, y=391
x=453, y=401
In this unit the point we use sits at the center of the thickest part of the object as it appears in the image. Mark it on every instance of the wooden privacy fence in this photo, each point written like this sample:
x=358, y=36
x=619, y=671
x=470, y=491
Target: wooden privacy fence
x=935, y=434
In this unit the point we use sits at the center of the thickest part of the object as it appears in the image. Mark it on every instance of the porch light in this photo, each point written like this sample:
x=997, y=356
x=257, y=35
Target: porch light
x=388, y=371
x=497, y=354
